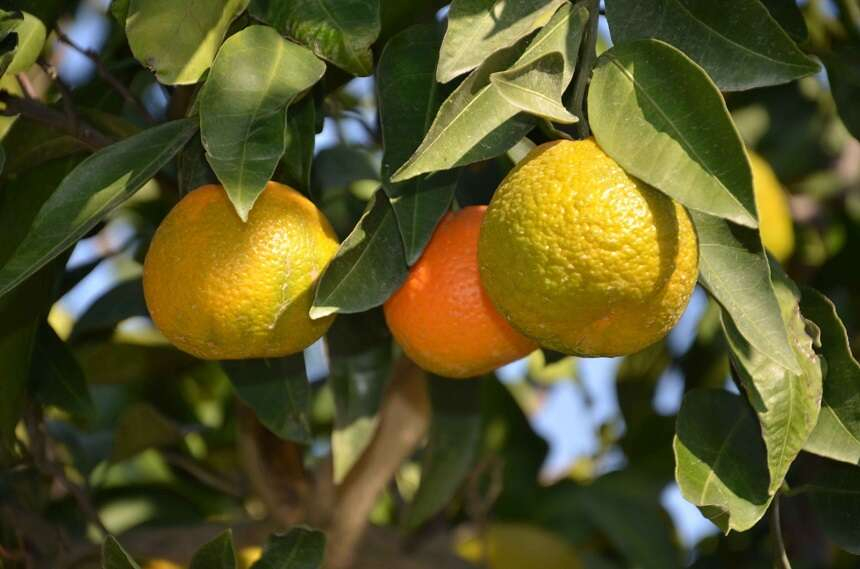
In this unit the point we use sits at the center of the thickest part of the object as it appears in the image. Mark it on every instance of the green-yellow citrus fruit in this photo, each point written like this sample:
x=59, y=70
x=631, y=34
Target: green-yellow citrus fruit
x=219, y=288
x=517, y=546
x=582, y=257
x=774, y=214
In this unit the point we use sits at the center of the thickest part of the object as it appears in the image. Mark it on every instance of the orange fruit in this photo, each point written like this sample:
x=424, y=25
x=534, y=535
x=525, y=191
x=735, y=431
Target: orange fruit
x=219, y=288
x=442, y=317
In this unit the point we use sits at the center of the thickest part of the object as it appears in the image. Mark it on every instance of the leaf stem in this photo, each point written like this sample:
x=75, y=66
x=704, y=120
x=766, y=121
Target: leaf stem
x=587, y=56
x=780, y=556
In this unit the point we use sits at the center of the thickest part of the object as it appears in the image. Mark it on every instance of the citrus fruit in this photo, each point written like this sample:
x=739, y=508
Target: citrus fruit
x=442, y=317
x=249, y=555
x=161, y=564
x=219, y=288
x=582, y=257
x=774, y=214
x=506, y=545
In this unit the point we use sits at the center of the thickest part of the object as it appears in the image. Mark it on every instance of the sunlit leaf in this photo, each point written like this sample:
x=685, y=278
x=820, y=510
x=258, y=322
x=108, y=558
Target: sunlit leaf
x=662, y=119
x=340, y=31
x=837, y=434
x=479, y=28
x=92, y=190
x=31, y=39
x=737, y=42
x=787, y=403
x=179, y=40
x=254, y=78
x=720, y=459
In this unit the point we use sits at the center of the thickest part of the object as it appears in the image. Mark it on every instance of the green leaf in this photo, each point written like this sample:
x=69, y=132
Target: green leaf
x=837, y=433
x=843, y=71
x=115, y=557
x=835, y=497
x=737, y=42
x=295, y=166
x=31, y=39
x=8, y=38
x=734, y=269
x=662, y=119
x=720, y=460
x=217, y=554
x=57, y=379
x=625, y=508
x=360, y=349
x=340, y=31
x=123, y=301
x=788, y=15
x=194, y=170
x=179, y=40
x=787, y=403
x=254, y=78
x=476, y=122
x=2, y=159
x=536, y=88
x=119, y=10
x=277, y=390
x=452, y=448
x=408, y=100
x=142, y=427
x=300, y=548
x=479, y=28
x=369, y=266
x=92, y=190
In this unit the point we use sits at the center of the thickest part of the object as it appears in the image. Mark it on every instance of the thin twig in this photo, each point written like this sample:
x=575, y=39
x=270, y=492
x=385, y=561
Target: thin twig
x=41, y=112
x=105, y=74
x=780, y=560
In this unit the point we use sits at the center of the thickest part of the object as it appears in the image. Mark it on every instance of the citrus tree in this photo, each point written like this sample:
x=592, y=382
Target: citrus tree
x=304, y=284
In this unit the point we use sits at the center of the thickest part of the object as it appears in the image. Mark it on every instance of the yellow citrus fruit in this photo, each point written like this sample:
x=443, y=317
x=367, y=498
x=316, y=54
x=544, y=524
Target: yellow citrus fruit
x=441, y=315
x=161, y=564
x=248, y=556
x=582, y=257
x=516, y=546
x=219, y=288
x=774, y=214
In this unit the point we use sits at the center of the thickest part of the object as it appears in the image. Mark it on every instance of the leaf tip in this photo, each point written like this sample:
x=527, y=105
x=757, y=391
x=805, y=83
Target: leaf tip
x=319, y=312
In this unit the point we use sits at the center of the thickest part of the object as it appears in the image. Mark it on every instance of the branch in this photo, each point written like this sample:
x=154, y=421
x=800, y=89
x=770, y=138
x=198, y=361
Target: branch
x=41, y=112
x=403, y=422
x=105, y=74
x=588, y=53
x=781, y=557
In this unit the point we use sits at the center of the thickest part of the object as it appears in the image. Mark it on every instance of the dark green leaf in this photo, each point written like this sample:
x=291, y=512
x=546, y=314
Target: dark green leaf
x=179, y=40
x=295, y=166
x=254, y=78
x=115, y=557
x=142, y=427
x=787, y=403
x=843, y=71
x=452, y=447
x=626, y=510
x=737, y=42
x=217, y=554
x=360, y=368
x=343, y=178
x=123, y=301
x=837, y=434
x=56, y=377
x=277, y=390
x=119, y=10
x=32, y=143
x=300, y=548
x=734, y=269
x=476, y=122
x=720, y=459
x=91, y=191
x=662, y=119
x=408, y=100
x=340, y=31
x=194, y=170
x=480, y=28
x=787, y=13
x=835, y=497
x=369, y=266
